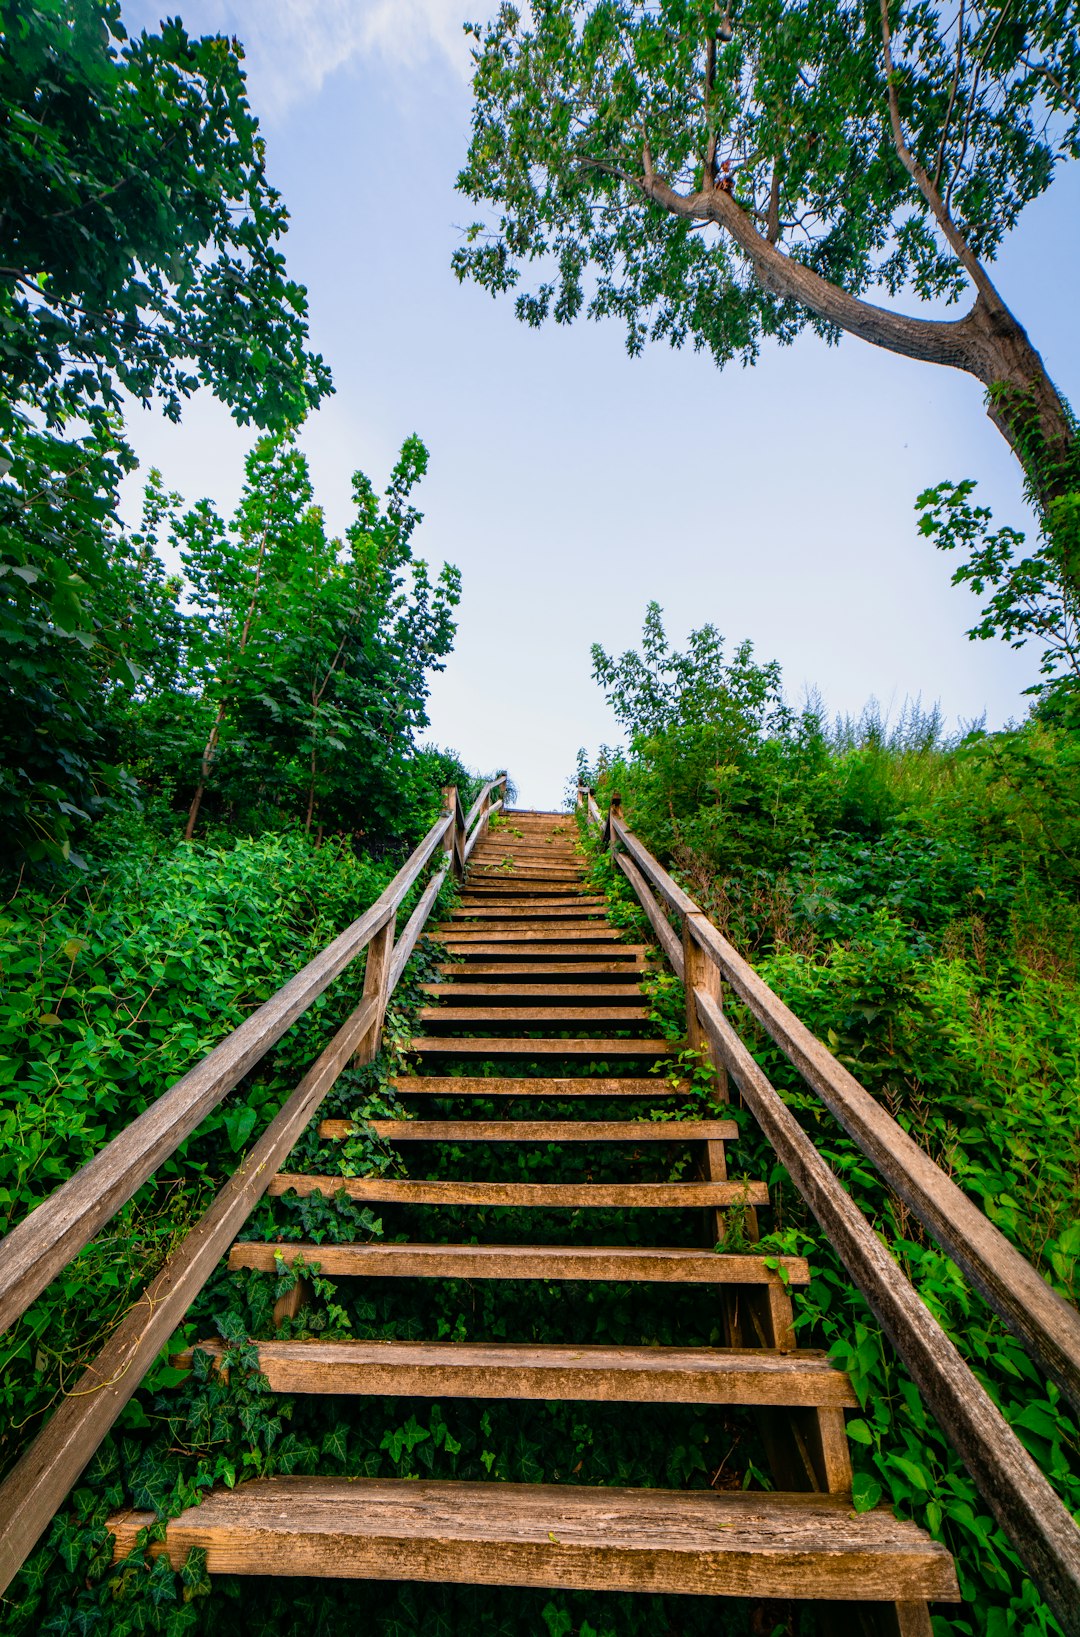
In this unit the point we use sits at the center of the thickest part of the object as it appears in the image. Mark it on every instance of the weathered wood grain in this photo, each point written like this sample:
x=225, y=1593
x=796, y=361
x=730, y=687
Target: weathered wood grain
x=632, y=1264
x=555, y=1089
x=666, y=1375
x=533, y=1195
x=731, y=1544
x=527, y=1046
x=633, y=1132
x=481, y=1016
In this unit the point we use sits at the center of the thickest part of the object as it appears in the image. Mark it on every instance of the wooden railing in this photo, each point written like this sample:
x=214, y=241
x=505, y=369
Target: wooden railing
x=1040, y=1528
x=47, y=1240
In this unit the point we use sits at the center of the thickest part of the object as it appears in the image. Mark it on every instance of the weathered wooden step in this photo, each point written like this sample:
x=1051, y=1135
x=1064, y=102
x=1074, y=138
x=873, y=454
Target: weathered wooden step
x=556, y=1089
x=557, y=1131
x=546, y=957
x=454, y=932
x=618, y=1016
x=618, y=993
x=630, y=1375
x=529, y=912
x=631, y=1264
x=531, y=1195
x=486, y=891
x=733, y=1543
x=544, y=971
x=526, y=1046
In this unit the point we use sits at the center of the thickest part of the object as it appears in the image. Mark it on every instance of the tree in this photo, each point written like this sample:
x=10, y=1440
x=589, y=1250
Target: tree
x=138, y=255
x=728, y=175
x=302, y=662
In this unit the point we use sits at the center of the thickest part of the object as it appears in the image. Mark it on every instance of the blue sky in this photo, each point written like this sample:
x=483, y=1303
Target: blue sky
x=571, y=484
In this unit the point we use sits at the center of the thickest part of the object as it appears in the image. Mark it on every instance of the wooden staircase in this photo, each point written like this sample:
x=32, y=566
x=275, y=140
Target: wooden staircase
x=539, y=977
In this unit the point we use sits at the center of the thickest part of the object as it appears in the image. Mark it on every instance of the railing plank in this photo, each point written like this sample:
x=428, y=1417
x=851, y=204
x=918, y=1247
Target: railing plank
x=413, y=927
x=679, y=900
x=37, y=1485
x=35, y=1251
x=481, y=828
x=669, y=938
x=1021, y=1499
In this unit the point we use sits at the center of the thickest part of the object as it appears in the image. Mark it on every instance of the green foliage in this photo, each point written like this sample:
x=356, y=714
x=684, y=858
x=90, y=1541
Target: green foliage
x=111, y=990
x=1029, y=597
x=914, y=900
x=137, y=256
x=579, y=106
x=301, y=671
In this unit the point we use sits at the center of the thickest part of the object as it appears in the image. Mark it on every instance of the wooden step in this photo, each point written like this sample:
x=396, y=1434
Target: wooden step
x=578, y=910
x=555, y=1131
x=632, y=1264
x=628, y=1375
x=629, y=957
x=508, y=947
x=618, y=1016
x=526, y=1195
x=732, y=1543
x=527, y=1046
x=557, y=1089
x=486, y=892
x=543, y=971
x=495, y=930
x=617, y=993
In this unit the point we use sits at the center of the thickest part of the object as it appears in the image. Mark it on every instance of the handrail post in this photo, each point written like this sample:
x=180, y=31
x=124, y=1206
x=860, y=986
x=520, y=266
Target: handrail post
x=377, y=988
x=700, y=971
x=455, y=841
x=582, y=797
x=614, y=814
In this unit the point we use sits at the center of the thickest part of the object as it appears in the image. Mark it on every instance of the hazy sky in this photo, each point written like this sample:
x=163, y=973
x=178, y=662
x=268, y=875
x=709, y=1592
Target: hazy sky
x=571, y=484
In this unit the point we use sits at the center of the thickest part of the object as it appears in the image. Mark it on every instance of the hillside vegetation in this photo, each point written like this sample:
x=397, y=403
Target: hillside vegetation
x=913, y=898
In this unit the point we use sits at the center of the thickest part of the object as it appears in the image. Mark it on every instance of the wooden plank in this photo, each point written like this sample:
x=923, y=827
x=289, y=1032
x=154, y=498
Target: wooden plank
x=630, y=1375
x=528, y=1046
x=616, y=992
x=455, y=935
x=634, y=1132
x=1048, y=1326
x=414, y=927
x=479, y=1016
x=516, y=950
x=541, y=971
x=666, y=935
x=37, y=1485
x=680, y=901
x=1027, y=1508
x=539, y=1195
x=493, y=930
x=632, y=1264
x=731, y=1544
x=586, y=910
x=461, y=1085
x=526, y=895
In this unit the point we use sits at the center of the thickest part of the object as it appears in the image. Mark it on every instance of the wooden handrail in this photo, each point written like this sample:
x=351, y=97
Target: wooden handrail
x=1025, y=1505
x=37, y=1484
x=1048, y=1326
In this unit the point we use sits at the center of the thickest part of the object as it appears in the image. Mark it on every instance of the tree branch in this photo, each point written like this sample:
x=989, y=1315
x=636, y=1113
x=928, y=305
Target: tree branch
x=956, y=342
x=955, y=239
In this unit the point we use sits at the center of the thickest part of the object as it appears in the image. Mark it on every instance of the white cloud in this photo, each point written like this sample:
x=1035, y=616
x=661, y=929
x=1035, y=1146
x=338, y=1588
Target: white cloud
x=292, y=46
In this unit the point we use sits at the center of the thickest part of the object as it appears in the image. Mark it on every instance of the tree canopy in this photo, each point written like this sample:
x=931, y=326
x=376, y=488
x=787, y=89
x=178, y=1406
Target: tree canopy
x=720, y=176
x=138, y=255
